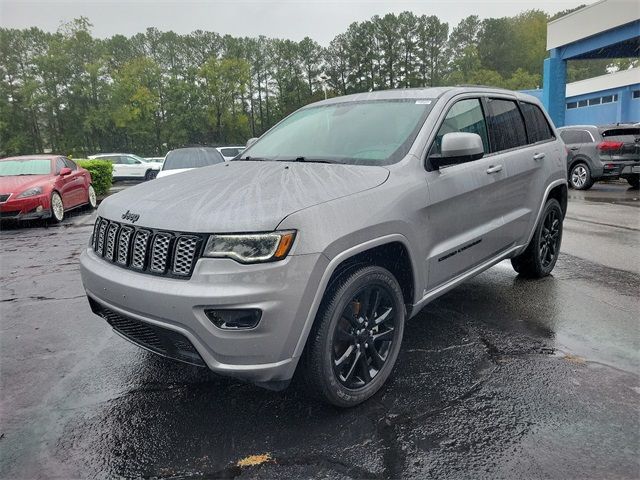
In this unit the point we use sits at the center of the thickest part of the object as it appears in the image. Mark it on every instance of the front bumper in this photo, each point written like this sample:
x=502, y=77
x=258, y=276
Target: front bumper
x=28, y=208
x=284, y=291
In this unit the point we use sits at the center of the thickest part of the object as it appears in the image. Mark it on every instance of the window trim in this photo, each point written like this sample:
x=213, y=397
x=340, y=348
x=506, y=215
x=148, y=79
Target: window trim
x=443, y=116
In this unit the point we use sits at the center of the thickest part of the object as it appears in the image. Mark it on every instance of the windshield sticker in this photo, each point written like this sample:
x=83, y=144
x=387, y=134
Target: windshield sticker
x=423, y=102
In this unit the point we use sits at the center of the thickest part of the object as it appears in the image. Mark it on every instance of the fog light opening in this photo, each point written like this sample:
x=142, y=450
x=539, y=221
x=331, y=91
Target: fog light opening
x=234, y=319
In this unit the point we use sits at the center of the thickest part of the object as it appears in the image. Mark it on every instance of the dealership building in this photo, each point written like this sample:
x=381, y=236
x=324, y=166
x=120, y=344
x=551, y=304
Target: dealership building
x=606, y=29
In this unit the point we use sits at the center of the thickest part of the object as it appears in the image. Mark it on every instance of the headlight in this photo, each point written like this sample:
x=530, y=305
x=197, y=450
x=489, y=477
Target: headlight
x=251, y=247
x=31, y=192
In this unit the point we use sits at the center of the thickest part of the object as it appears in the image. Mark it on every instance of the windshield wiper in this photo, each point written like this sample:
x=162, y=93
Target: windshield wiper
x=310, y=160
x=248, y=158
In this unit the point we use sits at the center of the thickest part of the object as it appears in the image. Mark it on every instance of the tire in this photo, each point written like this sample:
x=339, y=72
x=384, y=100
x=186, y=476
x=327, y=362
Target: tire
x=354, y=343
x=541, y=254
x=634, y=181
x=580, y=177
x=92, y=200
x=150, y=175
x=57, y=208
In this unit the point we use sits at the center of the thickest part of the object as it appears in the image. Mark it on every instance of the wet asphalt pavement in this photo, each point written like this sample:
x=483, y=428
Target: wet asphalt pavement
x=500, y=378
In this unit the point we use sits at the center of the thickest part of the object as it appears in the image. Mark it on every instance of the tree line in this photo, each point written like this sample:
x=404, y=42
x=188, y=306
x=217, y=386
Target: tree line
x=71, y=93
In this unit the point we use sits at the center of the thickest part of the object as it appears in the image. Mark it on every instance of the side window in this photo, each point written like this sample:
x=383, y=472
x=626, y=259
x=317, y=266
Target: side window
x=538, y=129
x=576, y=136
x=506, y=127
x=129, y=160
x=70, y=163
x=112, y=158
x=59, y=165
x=568, y=136
x=464, y=116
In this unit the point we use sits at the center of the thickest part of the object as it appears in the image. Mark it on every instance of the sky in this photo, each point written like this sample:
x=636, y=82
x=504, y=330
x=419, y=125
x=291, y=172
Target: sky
x=292, y=19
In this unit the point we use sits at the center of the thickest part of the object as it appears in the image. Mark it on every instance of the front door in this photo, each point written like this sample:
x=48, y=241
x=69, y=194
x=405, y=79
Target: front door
x=466, y=202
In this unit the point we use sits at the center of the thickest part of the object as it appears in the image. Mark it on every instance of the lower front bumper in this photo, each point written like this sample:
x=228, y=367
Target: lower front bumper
x=283, y=291
x=29, y=208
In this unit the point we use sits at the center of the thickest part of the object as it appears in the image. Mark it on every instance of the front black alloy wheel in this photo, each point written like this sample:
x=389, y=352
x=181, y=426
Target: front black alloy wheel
x=356, y=336
x=363, y=337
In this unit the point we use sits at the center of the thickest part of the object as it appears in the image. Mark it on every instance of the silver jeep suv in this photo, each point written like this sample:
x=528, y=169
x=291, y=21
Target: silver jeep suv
x=311, y=250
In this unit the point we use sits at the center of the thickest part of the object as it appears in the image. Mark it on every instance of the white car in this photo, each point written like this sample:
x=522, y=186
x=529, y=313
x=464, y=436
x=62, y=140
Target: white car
x=230, y=151
x=127, y=166
x=184, y=159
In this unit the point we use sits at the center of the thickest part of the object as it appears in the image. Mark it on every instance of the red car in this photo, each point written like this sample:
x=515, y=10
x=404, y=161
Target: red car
x=43, y=186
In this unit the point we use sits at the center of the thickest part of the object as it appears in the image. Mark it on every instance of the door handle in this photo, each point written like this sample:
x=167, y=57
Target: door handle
x=538, y=156
x=574, y=148
x=494, y=169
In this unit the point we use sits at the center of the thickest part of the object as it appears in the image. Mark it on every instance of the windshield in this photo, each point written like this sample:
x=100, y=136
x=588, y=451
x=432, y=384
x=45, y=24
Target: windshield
x=143, y=160
x=368, y=133
x=25, y=166
x=191, y=158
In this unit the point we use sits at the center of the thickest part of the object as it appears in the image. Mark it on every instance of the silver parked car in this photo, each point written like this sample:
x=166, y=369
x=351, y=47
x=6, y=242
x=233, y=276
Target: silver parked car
x=312, y=249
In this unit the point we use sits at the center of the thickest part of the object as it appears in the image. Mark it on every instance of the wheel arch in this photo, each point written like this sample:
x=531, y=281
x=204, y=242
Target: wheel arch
x=577, y=160
x=372, y=252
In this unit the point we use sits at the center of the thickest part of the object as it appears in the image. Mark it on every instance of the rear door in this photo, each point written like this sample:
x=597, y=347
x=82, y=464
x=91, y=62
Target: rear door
x=466, y=205
x=135, y=167
x=523, y=140
x=578, y=140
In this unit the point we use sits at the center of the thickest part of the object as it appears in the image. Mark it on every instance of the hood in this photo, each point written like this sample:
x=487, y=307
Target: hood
x=154, y=165
x=166, y=173
x=18, y=183
x=239, y=196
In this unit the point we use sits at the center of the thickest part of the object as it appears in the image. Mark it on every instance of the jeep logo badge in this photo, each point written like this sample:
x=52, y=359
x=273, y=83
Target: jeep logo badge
x=130, y=216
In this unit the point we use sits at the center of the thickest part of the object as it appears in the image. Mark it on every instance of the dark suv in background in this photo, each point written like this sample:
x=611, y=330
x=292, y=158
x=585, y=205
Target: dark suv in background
x=605, y=152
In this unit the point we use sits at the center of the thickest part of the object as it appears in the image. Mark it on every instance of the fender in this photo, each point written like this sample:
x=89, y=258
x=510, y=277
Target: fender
x=331, y=267
x=545, y=197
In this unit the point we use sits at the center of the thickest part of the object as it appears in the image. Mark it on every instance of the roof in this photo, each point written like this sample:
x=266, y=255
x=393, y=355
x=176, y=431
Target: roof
x=44, y=156
x=418, y=94
x=599, y=127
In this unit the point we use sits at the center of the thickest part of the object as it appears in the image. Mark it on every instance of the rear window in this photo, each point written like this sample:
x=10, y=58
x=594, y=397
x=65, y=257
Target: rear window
x=192, y=158
x=626, y=135
x=506, y=127
x=538, y=128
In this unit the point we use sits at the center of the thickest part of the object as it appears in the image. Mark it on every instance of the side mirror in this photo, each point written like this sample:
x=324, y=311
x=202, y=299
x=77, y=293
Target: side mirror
x=65, y=171
x=251, y=141
x=458, y=147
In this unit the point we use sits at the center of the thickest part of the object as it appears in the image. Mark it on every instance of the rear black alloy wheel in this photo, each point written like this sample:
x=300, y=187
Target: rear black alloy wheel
x=549, y=242
x=363, y=337
x=541, y=254
x=355, y=340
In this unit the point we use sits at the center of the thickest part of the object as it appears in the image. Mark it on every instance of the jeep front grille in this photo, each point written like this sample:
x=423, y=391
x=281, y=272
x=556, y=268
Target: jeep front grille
x=172, y=254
